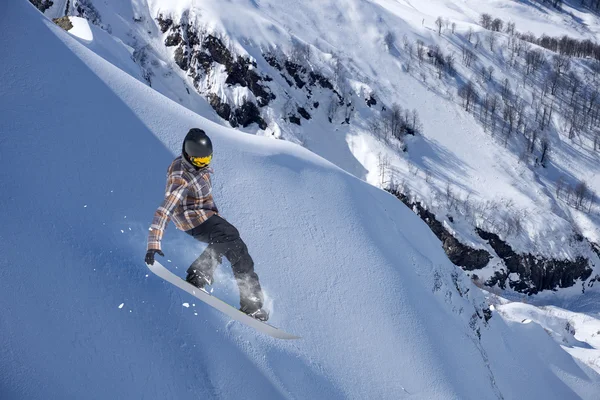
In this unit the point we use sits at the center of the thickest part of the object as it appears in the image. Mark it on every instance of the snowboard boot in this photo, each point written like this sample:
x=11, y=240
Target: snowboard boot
x=198, y=279
x=260, y=314
x=256, y=313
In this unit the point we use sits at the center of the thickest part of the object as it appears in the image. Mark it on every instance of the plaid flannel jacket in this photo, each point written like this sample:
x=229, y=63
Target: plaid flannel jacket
x=188, y=200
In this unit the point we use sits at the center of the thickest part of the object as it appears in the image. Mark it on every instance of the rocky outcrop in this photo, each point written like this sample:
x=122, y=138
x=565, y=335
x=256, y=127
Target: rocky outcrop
x=297, y=75
x=303, y=113
x=63, y=22
x=294, y=119
x=198, y=53
x=164, y=23
x=86, y=9
x=173, y=39
x=371, y=101
x=535, y=273
x=246, y=115
x=181, y=58
x=42, y=5
x=223, y=109
x=460, y=254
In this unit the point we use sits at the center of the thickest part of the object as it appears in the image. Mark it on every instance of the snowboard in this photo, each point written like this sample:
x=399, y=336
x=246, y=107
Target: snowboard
x=218, y=304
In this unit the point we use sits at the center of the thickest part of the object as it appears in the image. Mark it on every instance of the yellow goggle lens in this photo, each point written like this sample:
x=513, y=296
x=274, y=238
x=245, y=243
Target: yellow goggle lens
x=201, y=161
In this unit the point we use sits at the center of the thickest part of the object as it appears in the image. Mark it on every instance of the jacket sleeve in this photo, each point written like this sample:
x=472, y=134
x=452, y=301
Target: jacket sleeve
x=175, y=192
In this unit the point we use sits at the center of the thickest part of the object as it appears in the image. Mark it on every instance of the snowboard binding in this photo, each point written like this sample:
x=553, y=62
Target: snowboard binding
x=198, y=279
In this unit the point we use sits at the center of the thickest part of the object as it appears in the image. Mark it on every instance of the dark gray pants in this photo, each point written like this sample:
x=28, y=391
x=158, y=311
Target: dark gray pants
x=224, y=240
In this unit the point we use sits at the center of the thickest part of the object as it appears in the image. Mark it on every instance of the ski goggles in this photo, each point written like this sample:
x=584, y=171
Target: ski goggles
x=201, y=161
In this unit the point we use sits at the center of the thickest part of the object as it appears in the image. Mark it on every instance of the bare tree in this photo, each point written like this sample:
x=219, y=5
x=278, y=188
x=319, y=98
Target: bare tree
x=497, y=25
x=491, y=40
x=490, y=71
x=580, y=193
x=544, y=151
x=377, y=130
x=468, y=94
x=534, y=59
x=439, y=22
x=561, y=64
x=509, y=115
x=560, y=186
x=420, y=50
x=510, y=28
x=485, y=20
x=505, y=91
x=574, y=85
x=383, y=163
x=449, y=60
x=390, y=40
x=408, y=46
x=468, y=56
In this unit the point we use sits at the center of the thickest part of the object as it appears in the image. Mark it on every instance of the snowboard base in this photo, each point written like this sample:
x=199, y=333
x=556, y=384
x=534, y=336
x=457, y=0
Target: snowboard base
x=159, y=270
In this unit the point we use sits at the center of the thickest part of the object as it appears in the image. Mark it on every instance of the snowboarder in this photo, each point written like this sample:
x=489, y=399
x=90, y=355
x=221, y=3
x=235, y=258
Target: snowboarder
x=189, y=203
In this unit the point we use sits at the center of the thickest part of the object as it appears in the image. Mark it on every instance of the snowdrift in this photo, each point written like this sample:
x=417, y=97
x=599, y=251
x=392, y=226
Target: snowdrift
x=382, y=312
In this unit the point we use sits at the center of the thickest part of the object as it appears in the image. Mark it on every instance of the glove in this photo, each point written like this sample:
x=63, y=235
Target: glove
x=150, y=256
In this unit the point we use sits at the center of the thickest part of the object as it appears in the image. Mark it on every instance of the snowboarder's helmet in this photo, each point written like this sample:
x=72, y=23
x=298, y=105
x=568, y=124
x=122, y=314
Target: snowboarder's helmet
x=197, y=148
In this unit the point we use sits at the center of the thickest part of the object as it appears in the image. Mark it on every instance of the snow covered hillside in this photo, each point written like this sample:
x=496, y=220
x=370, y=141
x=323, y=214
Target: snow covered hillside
x=382, y=312
x=505, y=159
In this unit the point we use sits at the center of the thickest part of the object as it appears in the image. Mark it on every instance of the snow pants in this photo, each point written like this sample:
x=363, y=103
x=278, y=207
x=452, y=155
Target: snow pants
x=223, y=239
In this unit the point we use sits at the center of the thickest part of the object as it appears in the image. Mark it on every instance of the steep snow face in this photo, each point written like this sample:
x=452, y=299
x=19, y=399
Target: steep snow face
x=467, y=176
x=576, y=332
x=382, y=312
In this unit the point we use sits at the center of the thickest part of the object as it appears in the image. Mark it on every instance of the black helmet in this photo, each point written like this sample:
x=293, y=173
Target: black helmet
x=197, y=145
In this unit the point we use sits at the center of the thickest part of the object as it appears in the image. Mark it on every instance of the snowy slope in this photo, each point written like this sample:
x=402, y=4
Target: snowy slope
x=382, y=312
x=492, y=180
x=576, y=332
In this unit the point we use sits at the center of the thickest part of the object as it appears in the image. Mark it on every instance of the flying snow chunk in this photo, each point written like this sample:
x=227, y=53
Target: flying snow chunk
x=121, y=306
x=186, y=305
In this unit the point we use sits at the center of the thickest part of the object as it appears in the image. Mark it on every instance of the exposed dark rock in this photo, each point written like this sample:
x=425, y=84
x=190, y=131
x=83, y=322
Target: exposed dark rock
x=316, y=104
x=63, y=22
x=42, y=5
x=272, y=61
x=218, y=51
x=86, y=9
x=248, y=114
x=173, y=39
x=315, y=77
x=461, y=255
x=203, y=60
x=595, y=248
x=296, y=71
x=222, y=109
x=164, y=23
x=240, y=70
x=371, y=101
x=191, y=35
x=181, y=58
x=303, y=113
x=294, y=119
x=240, y=74
x=535, y=273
